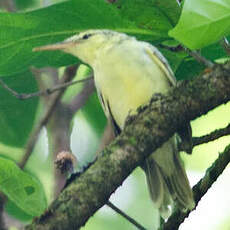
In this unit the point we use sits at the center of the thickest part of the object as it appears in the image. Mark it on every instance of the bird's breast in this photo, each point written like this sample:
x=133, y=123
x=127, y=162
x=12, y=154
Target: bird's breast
x=126, y=79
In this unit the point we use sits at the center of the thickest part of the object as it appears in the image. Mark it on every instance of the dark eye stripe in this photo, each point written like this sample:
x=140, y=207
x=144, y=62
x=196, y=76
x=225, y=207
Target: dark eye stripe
x=86, y=36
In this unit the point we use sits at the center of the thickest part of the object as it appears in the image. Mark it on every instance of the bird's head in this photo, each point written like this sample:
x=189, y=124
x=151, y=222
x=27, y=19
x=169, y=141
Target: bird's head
x=86, y=45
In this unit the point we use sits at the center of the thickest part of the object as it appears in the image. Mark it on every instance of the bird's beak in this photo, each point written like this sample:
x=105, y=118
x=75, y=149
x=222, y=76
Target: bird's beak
x=57, y=46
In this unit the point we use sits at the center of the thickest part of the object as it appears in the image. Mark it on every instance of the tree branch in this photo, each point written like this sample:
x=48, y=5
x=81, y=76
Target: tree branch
x=130, y=219
x=209, y=137
x=154, y=124
x=68, y=75
x=59, y=140
x=195, y=54
x=48, y=91
x=199, y=58
x=199, y=190
x=80, y=99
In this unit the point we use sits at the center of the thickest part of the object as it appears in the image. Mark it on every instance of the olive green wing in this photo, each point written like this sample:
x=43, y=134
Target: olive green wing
x=185, y=132
x=107, y=110
x=160, y=60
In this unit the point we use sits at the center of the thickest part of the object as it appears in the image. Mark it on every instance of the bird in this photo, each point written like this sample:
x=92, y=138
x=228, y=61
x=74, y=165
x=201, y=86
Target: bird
x=127, y=72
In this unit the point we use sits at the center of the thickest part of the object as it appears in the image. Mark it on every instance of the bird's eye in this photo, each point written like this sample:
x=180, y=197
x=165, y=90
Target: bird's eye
x=86, y=36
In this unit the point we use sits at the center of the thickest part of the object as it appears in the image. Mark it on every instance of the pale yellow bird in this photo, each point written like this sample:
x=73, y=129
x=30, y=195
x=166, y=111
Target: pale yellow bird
x=127, y=73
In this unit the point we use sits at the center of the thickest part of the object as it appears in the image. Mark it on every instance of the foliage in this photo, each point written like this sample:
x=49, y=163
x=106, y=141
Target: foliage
x=205, y=21
x=11, y=107
x=24, y=190
x=197, y=25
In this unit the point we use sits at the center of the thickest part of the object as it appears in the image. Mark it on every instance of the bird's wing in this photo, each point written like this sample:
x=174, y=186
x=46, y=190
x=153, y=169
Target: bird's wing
x=160, y=60
x=108, y=113
x=185, y=132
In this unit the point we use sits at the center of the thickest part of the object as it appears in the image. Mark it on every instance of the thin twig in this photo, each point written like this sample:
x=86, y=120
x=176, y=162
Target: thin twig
x=130, y=219
x=194, y=54
x=48, y=91
x=209, y=137
x=68, y=75
x=200, y=58
x=199, y=190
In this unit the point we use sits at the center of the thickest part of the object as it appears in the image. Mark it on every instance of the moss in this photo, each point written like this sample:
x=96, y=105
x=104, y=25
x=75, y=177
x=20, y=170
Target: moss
x=133, y=141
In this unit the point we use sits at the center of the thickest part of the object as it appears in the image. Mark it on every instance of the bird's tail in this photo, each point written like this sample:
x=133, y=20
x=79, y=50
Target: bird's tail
x=167, y=180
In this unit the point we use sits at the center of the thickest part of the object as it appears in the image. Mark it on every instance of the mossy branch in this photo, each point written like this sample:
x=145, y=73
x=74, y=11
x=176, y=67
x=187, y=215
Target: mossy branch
x=154, y=124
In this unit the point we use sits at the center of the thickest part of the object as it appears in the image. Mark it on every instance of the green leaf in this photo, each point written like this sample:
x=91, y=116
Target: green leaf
x=213, y=52
x=21, y=32
x=16, y=116
x=170, y=8
x=21, y=188
x=202, y=23
x=13, y=153
x=155, y=15
x=14, y=211
x=188, y=69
